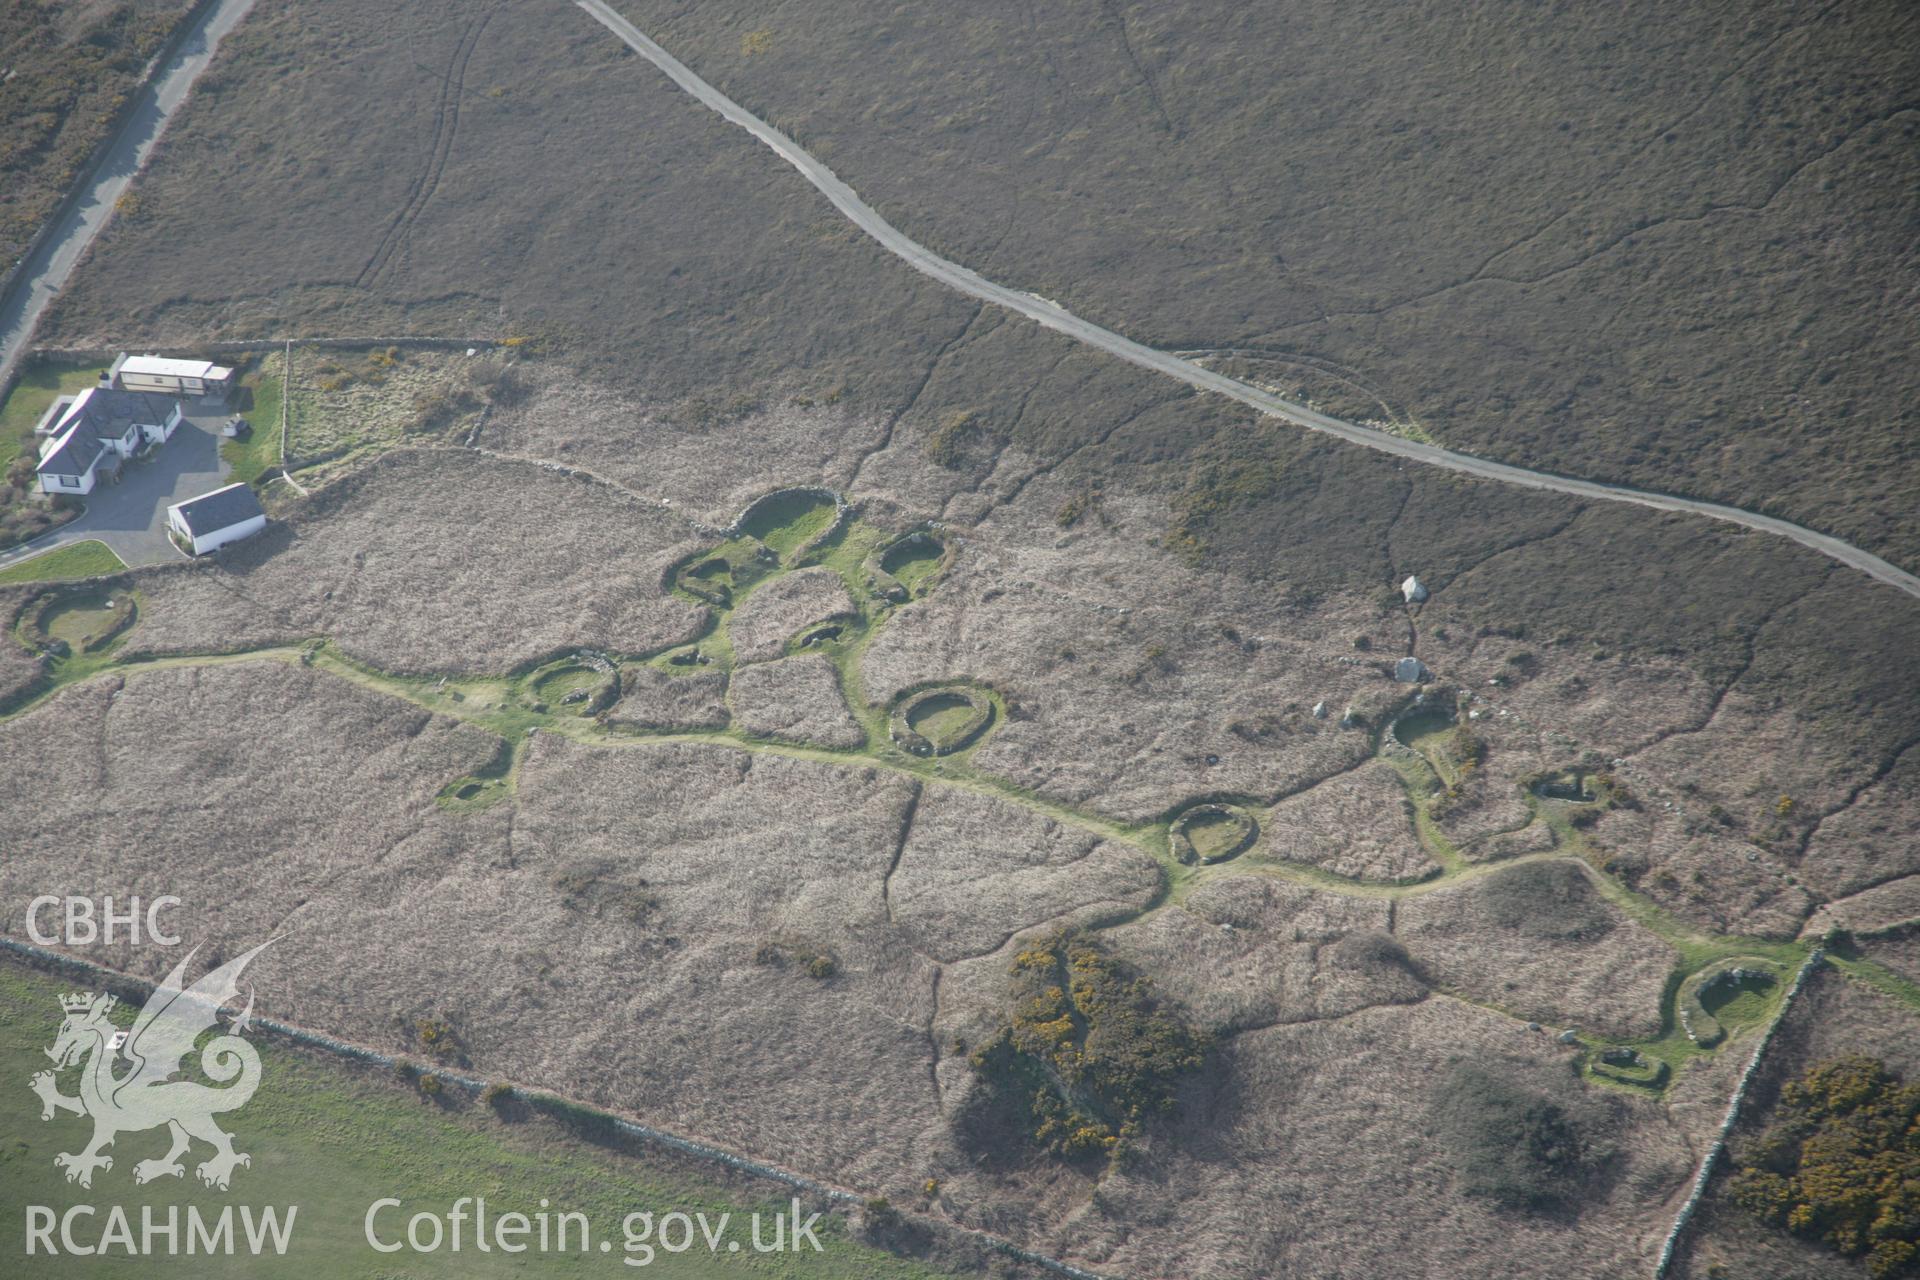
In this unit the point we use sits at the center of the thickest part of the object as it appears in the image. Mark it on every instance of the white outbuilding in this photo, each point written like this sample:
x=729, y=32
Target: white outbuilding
x=212, y=520
x=170, y=377
x=1413, y=589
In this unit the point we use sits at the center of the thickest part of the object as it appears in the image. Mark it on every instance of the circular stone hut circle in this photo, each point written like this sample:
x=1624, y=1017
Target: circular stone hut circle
x=881, y=566
x=1242, y=830
x=753, y=521
x=79, y=618
x=582, y=683
x=707, y=577
x=915, y=708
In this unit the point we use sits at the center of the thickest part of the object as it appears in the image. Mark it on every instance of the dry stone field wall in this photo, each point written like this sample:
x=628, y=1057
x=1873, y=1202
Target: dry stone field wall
x=805, y=781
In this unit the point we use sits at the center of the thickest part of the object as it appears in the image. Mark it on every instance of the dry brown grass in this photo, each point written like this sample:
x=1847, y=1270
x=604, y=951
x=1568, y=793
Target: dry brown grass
x=656, y=699
x=763, y=623
x=1540, y=942
x=711, y=469
x=1561, y=267
x=1871, y=840
x=654, y=899
x=1125, y=671
x=795, y=699
x=1898, y=949
x=974, y=871
x=1311, y=1149
x=438, y=561
x=68, y=69
x=19, y=672
x=1357, y=824
x=1243, y=952
x=663, y=903
x=1880, y=907
x=245, y=790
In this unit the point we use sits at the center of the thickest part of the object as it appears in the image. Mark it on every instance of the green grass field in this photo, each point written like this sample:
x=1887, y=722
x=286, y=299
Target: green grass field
x=259, y=453
x=29, y=399
x=330, y=1138
x=64, y=564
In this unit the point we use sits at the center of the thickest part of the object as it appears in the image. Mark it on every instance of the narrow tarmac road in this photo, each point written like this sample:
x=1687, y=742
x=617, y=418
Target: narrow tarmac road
x=51, y=264
x=1061, y=320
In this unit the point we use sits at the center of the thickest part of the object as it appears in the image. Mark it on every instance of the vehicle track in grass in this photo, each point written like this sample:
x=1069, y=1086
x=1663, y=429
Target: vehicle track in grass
x=446, y=128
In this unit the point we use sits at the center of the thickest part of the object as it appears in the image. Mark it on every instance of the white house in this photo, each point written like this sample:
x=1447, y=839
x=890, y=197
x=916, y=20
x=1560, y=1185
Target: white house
x=91, y=434
x=170, y=377
x=70, y=463
x=212, y=520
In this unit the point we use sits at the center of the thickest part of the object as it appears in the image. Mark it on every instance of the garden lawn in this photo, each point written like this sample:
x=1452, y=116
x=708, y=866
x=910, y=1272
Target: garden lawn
x=30, y=397
x=87, y=559
x=260, y=452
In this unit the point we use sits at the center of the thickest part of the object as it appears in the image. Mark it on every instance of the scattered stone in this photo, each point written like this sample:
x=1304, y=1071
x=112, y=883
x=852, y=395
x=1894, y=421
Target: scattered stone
x=1410, y=671
x=1413, y=589
x=1569, y=1037
x=1320, y=710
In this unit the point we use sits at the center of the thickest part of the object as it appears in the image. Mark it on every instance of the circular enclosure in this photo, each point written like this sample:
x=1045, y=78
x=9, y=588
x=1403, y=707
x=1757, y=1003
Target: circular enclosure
x=1212, y=833
x=1732, y=993
x=938, y=722
x=792, y=521
x=902, y=569
x=709, y=578
x=574, y=685
x=81, y=620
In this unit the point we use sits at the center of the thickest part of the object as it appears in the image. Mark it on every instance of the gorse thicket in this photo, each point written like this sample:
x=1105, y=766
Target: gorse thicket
x=1842, y=1165
x=1091, y=1044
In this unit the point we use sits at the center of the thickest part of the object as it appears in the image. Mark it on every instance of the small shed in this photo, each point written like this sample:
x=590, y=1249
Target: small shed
x=212, y=520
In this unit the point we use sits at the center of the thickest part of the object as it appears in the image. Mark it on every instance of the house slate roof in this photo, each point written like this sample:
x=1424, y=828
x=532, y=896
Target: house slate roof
x=98, y=415
x=73, y=454
x=221, y=509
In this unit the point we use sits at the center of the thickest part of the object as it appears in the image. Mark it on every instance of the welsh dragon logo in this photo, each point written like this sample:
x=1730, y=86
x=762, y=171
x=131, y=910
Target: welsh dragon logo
x=144, y=1094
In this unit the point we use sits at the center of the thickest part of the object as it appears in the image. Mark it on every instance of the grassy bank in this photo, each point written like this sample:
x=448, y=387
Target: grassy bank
x=330, y=1137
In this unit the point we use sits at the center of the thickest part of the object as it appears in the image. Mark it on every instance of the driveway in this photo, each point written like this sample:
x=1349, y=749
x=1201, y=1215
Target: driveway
x=131, y=517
